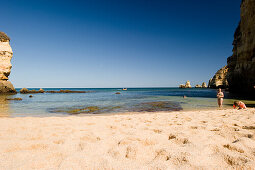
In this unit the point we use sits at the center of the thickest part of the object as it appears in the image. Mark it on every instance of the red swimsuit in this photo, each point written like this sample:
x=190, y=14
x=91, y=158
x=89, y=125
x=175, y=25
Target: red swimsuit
x=241, y=106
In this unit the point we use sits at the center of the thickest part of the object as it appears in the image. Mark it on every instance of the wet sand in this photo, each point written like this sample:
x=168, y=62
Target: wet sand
x=163, y=140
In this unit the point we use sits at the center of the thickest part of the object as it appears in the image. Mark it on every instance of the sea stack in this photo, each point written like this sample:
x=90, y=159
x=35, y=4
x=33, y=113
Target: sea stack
x=5, y=64
x=241, y=74
x=204, y=85
x=187, y=85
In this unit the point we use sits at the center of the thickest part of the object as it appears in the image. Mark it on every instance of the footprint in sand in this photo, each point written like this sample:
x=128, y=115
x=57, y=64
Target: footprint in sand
x=130, y=152
x=235, y=161
x=81, y=146
x=90, y=138
x=180, y=158
x=128, y=140
x=178, y=140
x=249, y=127
x=233, y=148
x=148, y=142
x=161, y=155
x=60, y=141
x=113, y=153
x=157, y=130
x=171, y=136
x=193, y=127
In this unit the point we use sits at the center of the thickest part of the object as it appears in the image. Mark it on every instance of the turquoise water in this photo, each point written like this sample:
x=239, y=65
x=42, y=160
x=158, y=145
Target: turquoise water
x=106, y=101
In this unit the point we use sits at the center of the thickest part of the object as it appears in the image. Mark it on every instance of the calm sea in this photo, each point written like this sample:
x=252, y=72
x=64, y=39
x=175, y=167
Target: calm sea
x=105, y=100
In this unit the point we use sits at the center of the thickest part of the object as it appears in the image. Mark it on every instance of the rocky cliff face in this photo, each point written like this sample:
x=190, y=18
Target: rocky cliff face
x=219, y=80
x=241, y=74
x=5, y=64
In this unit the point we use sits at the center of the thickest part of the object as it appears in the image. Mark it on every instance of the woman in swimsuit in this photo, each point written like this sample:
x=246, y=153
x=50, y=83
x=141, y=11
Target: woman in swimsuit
x=220, y=97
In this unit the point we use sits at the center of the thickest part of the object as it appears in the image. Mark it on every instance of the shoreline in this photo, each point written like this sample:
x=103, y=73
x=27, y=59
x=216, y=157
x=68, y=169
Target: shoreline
x=114, y=113
x=162, y=140
x=108, y=103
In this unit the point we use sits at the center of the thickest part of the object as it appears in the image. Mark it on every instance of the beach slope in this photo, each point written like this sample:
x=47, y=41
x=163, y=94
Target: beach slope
x=164, y=140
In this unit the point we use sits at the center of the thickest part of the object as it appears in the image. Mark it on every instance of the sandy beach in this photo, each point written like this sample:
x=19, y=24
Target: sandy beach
x=163, y=140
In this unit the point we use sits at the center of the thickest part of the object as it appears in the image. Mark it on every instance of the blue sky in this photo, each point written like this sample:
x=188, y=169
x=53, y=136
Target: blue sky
x=112, y=43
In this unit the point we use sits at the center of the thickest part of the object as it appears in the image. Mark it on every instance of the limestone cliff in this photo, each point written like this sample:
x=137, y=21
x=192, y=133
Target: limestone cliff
x=241, y=74
x=5, y=64
x=219, y=80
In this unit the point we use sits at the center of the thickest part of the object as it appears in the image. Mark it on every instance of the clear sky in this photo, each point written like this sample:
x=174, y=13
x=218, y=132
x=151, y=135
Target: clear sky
x=118, y=43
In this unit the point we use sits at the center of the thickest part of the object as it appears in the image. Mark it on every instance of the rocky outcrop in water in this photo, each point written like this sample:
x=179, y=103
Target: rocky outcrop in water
x=181, y=86
x=68, y=91
x=13, y=98
x=187, y=85
x=219, y=80
x=204, y=85
x=198, y=86
x=241, y=73
x=201, y=86
x=26, y=91
x=5, y=64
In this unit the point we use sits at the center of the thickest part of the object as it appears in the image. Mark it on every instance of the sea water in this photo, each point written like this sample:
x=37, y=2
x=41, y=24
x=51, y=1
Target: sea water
x=106, y=99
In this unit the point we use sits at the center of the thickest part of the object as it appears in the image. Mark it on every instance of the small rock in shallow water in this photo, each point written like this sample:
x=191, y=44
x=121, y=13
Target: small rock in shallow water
x=14, y=99
x=66, y=91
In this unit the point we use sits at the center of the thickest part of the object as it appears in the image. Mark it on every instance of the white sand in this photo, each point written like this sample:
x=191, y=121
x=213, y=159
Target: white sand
x=174, y=140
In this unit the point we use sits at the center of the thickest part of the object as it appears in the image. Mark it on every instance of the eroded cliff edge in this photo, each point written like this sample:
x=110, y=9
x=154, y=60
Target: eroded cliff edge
x=5, y=64
x=219, y=80
x=241, y=65
x=239, y=74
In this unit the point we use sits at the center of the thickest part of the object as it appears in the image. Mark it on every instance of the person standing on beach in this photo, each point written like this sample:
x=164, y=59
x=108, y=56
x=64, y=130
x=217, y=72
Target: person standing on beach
x=220, y=96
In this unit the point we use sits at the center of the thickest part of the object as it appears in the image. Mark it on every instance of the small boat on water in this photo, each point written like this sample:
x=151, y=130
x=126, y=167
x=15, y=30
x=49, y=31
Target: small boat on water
x=124, y=89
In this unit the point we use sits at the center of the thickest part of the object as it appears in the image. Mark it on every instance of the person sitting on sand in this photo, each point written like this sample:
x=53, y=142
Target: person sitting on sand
x=239, y=105
x=220, y=96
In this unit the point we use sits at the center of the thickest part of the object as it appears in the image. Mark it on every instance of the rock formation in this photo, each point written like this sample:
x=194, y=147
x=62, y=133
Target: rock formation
x=219, y=80
x=181, y=86
x=201, y=86
x=5, y=64
x=41, y=90
x=241, y=73
x=198, y=86
x=187, y=85
x=26, y=91
x=204, y=85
